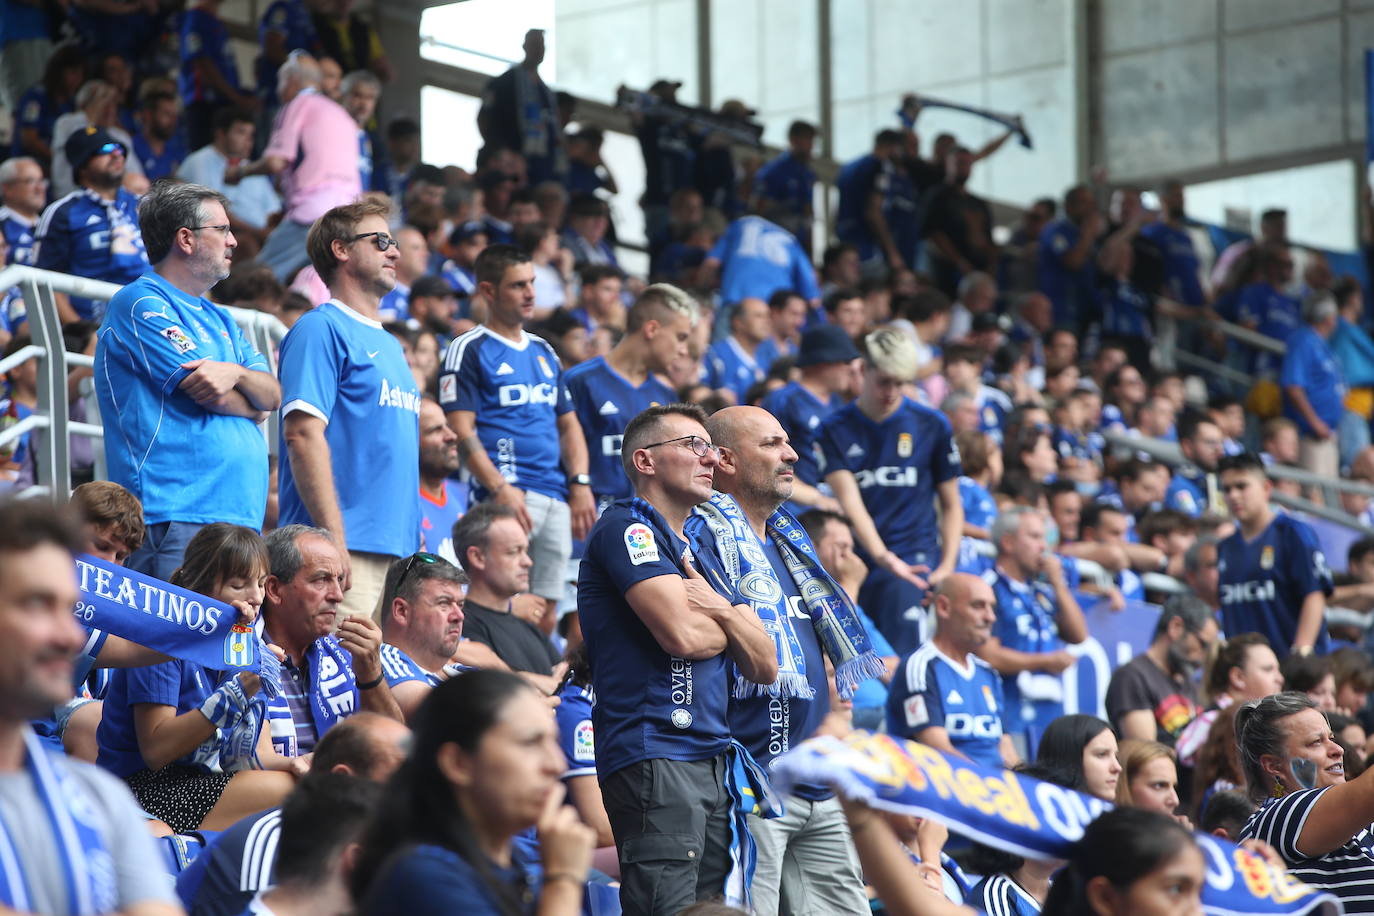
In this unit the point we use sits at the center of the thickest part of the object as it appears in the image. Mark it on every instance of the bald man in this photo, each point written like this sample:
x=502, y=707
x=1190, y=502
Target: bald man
x=806, y=863
x=945, y=696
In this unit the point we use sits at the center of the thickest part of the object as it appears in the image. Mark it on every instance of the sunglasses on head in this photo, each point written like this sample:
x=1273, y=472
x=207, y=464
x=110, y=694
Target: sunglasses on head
x=416, y=559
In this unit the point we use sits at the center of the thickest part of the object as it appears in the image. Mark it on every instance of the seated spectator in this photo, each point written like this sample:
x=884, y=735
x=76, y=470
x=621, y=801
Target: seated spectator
x=1311, y=675
x=552, y=266
x=158, y=145
x=409, y=267
x=485, y=766
x=585, y=237
x=736, y=363
x=1172, y=533
x=1085, y=747
x=982, y=465
x=944, y=695
x=37, y=110
x=963, y=370
x=599, y=299
x=465, y=242
x=253, y=200
x=1031, y=452
x=332, y=668
x=97, y=105
x=1106, y=525
x=162, y=725
x=1153, y=697
x=23, y=190
x=787, y=311
x=434, y=309
x=1149, y=777
x=1353, y=673
x=844, y=307
x=493, y=549
x=1244, y=668
x=568, y=337
x=94, y=232
x=422, y=624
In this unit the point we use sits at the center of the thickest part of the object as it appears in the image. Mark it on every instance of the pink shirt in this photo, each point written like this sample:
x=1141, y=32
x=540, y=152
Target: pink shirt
x=319, y=140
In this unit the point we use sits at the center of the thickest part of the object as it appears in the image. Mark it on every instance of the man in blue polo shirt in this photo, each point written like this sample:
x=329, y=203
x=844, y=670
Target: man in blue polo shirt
x=517, y=433
x=180, y=387
x=657, y=638
x=783, y=187
x=350, y=414
x=1314, y=389
x=888, y=460
x=92, y=232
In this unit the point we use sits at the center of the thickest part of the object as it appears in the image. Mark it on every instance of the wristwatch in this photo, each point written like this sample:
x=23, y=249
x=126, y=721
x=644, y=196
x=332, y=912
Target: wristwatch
x=584, y=480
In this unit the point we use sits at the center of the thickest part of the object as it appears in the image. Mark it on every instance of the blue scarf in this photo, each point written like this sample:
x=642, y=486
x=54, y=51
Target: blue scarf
x=333, y=689
x=750, y=793
x=165, y=617
x=718, y=529
x=88, y=869
x=1024, y=816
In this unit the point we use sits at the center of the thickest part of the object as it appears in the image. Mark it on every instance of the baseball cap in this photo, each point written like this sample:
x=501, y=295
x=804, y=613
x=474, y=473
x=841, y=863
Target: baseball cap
x=87, y=142
x=991, y=321
x=464, y=231
x=826, y=343
x=662, y=84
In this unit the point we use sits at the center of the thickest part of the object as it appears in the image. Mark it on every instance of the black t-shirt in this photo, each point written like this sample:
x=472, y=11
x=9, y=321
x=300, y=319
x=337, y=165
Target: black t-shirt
x=516, y=641
x=1141, y=684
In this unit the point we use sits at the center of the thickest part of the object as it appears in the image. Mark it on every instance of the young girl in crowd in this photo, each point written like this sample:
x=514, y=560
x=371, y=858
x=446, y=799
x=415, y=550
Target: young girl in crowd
x=153, y=724
x=1244, y=669
x=1150, y=777
x=1312, y=675
x=982, y=466
x=1218, y=763
x=484, y=767
x=1084, y=748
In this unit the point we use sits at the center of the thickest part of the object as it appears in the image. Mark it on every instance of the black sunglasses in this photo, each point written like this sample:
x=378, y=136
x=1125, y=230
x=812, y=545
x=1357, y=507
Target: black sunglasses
x=382, y=240
x=414, y=558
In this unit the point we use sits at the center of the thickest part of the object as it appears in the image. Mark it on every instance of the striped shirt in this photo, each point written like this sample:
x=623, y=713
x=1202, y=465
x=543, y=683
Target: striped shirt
x=1347, y=872
x=999, y=895
x=295, y=687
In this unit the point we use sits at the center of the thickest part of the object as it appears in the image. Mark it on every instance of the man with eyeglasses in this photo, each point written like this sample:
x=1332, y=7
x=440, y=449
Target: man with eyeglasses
x=350, y=420
x=23, y=189
x=659, y=639
x=180, y=387
x=422, y=624
x=92, y=232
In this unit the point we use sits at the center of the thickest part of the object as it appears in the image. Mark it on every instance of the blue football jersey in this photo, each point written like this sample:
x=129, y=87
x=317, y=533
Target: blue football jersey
x=398, y=668
x=728, y=366
x=993, y=407
x=395, y=305
x=1180, y=262
x=758, y=258
x=980, y=511
x=1263, y=582
x=576, y=734
x=800, y=413
x=998, y=895
x=1070, y=290
x=1026, y=613
x=345, y=369
x=517, y=394
x=233, y=867
x=649, y=704
x=1187, y=492
x=786, y=181
x=19, y=235
x=606, y=402
x=438, y=516
x=897, y=464
x=86, y=235
x=856, y=181
x=203, y=35
x=1126, y=311
x=182, y=685
x=931, y=690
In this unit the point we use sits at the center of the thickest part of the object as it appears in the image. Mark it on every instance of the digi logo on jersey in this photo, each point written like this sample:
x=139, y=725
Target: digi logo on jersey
x=964, y=725
x=1237, y=592
x=886, y=477
x=519, y=395
x=610, y=445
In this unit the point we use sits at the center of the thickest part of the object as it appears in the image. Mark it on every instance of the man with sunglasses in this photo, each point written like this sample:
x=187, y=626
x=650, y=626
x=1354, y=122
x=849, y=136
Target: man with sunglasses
x=93, y=231
x=659, y=639
x=180, y=387
x=351, y=407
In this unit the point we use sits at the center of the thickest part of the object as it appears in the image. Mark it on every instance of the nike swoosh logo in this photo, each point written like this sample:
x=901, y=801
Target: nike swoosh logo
x=372, y=354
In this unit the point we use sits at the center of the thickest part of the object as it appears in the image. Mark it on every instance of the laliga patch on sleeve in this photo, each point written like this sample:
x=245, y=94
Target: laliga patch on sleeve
x=181, y=341
x=448, y=388
x=915, y=708
x=584, y=742
x=640, y=545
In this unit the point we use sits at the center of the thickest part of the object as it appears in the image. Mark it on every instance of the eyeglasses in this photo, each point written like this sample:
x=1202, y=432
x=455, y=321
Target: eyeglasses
x=412, y=560
x=382, y=240
x=222, y=227
x=698, y=446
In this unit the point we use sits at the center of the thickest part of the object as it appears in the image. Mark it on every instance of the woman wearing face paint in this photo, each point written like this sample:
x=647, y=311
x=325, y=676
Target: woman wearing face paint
x=1318, y=822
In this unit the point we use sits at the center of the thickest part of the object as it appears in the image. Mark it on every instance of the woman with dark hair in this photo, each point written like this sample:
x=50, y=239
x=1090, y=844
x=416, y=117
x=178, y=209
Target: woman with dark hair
x=1130, y=862
x=1084, y=747
x=157, y=721
x=1244, y=668
x=485, y=766
x=1031, y=450
x=1316, y=820
x=1312, y=675
x=1218, y=762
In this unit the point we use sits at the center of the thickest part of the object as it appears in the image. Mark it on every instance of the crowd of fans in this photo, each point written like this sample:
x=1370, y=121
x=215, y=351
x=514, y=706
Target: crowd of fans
x=555, y=560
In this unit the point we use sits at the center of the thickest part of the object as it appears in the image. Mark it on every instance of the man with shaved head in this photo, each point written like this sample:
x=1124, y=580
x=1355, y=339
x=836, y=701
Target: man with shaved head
x=945, y=696
x=756, y=553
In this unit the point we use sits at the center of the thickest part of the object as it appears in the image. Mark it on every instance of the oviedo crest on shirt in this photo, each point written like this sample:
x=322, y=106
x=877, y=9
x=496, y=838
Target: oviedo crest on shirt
x=1267, y=557
x=904, y=445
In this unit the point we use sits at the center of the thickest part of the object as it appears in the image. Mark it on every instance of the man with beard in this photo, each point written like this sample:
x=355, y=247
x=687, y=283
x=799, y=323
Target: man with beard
x=181, y=384
x=442, y=501
x=1193, y=488
x=958, y=226
x=1153, y=696
x=422, y=624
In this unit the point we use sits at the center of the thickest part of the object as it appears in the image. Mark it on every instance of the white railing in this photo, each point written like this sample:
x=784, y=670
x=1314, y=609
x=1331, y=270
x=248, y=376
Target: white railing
x=51, y=421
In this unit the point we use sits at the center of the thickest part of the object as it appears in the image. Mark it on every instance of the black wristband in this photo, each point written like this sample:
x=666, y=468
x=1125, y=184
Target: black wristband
x=370, y=684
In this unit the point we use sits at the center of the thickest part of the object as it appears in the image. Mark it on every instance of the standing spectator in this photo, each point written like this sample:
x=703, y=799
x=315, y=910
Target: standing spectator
x=977, y=296
x=958, y=226
x=252, y=201
x=1154, y=695
x=285, y=26
x=37, y=110
x=442, y=501
x=349, y=418
x=25, y=46
x=505, y=398
x=1273, y=229
x=1274, y=578
x=669, y=156
x=657, y=637
x=888, y=461
x=157, y=142
x=93, y=231
x=868, y=194
x=47, y=794
x=349, y=39
x=314, y=148
x=1314, y=390
x=333, y=667
x=209, y=75
x=755, y=259
x=946, y=696
x=519, y=113
x=125, y=27
x=734, y=364
x=1182, y=278
x=609, y=391
x=97, y=105
x=1068, y=266
x=360, y=91
x=783, y=187
x=23, y=189
x=1035, y=619
x=180, y=384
